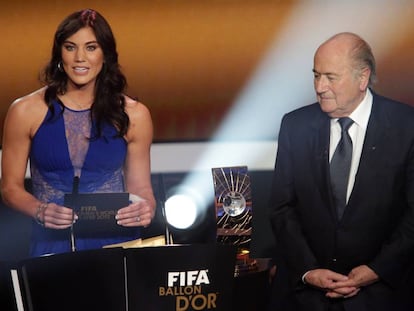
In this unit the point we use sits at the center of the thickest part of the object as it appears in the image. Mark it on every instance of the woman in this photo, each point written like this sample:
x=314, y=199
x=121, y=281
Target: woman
x=80, y=124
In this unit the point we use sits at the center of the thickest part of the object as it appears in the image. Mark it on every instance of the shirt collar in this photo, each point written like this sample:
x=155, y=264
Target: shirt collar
x=361, y=114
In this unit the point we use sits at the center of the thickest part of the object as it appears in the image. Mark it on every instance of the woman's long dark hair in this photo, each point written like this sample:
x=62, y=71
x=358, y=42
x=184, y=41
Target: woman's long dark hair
x=109, y=102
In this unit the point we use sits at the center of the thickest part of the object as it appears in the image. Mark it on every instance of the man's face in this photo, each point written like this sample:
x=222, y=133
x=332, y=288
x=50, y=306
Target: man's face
x=339, y=88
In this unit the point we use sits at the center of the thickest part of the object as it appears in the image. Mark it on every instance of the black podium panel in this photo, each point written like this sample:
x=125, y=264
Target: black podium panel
x=7, y=298
x=85, y=280
x=181, y=277
x=172, y=277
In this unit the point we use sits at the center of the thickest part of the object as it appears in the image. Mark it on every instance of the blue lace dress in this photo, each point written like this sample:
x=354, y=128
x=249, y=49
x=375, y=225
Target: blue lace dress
x=60, y=150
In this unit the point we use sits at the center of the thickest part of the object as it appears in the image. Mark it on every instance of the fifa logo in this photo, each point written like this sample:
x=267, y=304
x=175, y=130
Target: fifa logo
x=188, y=278
x=186, y=287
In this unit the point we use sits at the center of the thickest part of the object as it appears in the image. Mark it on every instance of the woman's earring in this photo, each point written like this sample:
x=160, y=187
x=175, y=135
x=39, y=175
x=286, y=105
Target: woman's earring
x=59, y=66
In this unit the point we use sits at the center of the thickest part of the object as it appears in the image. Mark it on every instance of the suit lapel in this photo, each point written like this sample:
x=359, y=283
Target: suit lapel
x=321, y=127
x=377, y=135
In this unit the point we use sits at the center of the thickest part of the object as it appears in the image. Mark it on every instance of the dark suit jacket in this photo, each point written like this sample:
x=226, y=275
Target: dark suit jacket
x=377, y=227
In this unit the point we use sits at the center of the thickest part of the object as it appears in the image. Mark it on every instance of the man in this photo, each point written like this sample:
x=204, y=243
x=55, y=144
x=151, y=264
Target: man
x=360, y=256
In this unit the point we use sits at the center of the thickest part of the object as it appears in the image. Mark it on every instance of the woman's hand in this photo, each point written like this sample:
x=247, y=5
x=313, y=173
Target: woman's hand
x=54, y=216
x=138, y=213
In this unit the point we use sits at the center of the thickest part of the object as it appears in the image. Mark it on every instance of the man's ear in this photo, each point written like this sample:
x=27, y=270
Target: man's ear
x=364, y=78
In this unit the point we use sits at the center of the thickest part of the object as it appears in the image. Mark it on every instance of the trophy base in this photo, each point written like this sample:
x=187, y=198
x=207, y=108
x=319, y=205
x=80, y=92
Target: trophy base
x=244, y=264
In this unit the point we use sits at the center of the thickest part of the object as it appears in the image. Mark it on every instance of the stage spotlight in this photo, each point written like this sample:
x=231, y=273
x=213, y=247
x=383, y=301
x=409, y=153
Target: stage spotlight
x=185, y=211
x=182, y=207
x=189, y=217
x=180, y=211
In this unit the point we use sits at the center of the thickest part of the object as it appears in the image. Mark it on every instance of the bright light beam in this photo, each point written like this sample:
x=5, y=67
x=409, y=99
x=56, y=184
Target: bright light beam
x=283, y=80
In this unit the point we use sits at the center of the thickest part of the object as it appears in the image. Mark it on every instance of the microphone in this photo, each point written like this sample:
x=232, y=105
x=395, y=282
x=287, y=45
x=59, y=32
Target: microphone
x=75, y=189
x=162, y=198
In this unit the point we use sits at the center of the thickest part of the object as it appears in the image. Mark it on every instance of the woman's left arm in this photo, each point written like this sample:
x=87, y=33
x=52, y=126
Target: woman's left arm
x=137, y=167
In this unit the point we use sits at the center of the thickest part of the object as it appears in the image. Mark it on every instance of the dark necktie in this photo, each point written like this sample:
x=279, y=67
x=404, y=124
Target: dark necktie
x=340, y=166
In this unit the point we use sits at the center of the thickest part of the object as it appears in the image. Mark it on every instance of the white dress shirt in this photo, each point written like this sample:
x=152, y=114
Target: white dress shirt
x=357, y=131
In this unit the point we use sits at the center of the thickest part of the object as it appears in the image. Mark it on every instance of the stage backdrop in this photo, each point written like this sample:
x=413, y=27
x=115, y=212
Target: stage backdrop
x=193, y=62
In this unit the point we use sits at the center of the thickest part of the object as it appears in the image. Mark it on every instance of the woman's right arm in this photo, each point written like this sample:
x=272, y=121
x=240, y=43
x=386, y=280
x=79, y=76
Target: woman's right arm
x=23, y=118
x=17, y=132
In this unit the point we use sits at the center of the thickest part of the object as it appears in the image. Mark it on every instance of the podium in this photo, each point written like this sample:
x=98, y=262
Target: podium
x=85, y=280
x=172, y=277
x=7, y=299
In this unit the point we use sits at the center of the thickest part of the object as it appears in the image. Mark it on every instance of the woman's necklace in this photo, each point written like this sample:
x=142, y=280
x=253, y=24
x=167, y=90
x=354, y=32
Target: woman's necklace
x=77, y=105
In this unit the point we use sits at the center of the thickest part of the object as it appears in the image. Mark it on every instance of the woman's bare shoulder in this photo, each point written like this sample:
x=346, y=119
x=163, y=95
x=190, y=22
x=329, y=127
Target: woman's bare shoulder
x=30, y=106
x=140, y=128
x=136, y=109
x=30, y=101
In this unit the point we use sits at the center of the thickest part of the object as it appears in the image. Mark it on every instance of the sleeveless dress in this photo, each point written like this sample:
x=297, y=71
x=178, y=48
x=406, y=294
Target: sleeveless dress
x=60, y=150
